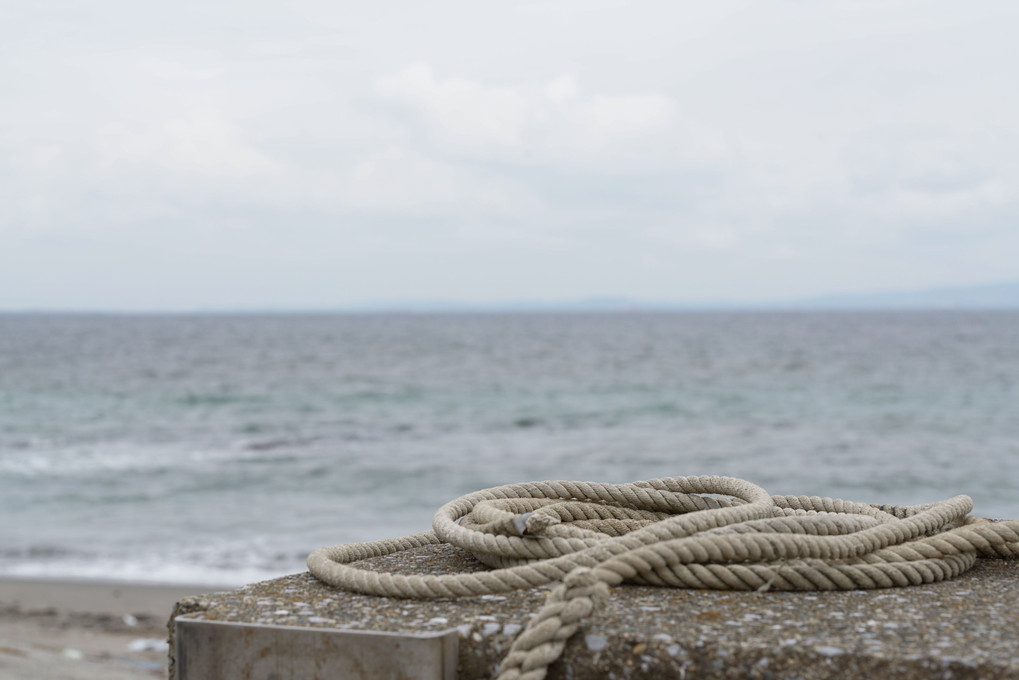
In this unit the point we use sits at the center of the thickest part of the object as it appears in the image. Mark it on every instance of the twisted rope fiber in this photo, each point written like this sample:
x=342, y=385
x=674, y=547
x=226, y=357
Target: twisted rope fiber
x=687, y=532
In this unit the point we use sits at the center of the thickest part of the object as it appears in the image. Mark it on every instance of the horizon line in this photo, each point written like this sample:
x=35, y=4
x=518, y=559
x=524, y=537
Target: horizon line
x=1001, y=295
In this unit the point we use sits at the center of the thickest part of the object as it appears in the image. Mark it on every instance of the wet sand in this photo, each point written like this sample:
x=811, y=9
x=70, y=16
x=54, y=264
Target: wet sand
x=86, y=630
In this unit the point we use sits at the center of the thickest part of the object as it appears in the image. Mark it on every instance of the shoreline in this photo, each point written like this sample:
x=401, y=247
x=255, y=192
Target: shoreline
x=85, y=629
x=106, y=596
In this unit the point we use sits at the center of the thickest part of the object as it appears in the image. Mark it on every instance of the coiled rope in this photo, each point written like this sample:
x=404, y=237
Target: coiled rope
x=686, y=532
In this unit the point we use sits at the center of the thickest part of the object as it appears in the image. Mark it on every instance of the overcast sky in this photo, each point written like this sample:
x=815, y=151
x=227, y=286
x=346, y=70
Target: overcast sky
x=317, y=154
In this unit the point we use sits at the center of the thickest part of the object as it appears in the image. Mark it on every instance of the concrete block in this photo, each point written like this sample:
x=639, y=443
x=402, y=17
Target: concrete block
x=967, y=627
x=222, y=650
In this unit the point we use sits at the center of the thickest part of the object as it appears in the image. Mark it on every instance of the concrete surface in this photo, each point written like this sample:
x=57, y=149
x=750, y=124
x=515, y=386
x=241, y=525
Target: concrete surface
x=965, y=628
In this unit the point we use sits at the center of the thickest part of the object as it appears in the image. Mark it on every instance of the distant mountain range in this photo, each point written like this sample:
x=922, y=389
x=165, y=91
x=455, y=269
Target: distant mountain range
x=988, y=296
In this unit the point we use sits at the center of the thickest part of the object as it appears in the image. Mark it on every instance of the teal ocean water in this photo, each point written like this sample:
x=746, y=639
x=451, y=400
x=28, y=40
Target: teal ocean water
x=222, y=449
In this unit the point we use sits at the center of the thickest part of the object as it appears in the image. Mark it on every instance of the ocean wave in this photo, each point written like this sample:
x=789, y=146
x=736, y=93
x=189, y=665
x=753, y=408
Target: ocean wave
x=108, y=457
x=272, y=443
x=201, y=567
x=125, y=457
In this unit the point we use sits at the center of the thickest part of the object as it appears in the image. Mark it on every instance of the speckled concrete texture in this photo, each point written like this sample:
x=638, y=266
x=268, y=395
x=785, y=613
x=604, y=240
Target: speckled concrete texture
x=965, y=628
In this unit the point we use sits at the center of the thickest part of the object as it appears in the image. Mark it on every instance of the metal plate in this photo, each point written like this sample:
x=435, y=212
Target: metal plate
x=218, y=650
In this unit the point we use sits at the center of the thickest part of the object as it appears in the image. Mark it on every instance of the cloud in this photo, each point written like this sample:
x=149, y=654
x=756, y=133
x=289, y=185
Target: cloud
x=554, y=122
x=739, y=145
x=465, y=113
x=198, y=144
x=400, y=180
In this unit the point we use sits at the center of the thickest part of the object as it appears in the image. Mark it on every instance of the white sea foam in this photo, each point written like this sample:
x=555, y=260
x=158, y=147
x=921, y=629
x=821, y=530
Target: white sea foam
x=144, y=571
x=105, y=458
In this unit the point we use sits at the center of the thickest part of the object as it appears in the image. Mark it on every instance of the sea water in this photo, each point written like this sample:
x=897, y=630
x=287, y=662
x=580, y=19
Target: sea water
x=222, y=449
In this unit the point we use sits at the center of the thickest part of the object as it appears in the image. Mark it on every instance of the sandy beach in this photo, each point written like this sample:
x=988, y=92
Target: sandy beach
x=86, y=630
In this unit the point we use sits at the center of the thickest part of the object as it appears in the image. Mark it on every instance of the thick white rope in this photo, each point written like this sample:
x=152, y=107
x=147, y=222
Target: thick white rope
x=686, y=532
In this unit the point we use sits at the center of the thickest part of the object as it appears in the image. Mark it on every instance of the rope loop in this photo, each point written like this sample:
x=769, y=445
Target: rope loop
x=686, y=532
